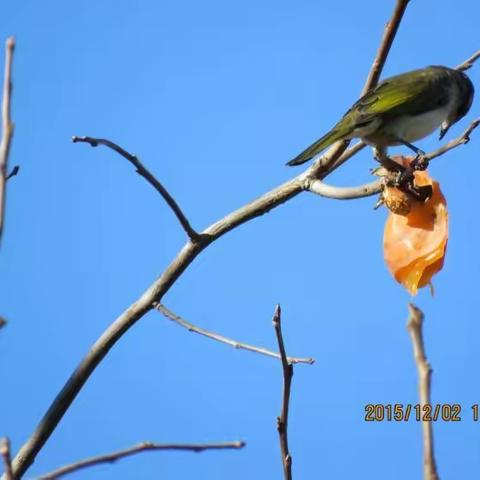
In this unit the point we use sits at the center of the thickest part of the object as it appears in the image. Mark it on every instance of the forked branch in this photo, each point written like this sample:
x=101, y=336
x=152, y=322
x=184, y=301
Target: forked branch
x=220, y=338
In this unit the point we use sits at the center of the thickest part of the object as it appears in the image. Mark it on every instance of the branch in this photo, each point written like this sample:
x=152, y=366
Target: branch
x=468, y=63
x=5, y=453
x=461, y=140
x=348, y=154
x=387, y=40
x=7, y=128
x=282, y=420
x=149, y=177
x=141, y=447
x=368, y=189
x=414, y=327
x=346, y=193
x=220, y=338
x=276, y=197
x=3, y=322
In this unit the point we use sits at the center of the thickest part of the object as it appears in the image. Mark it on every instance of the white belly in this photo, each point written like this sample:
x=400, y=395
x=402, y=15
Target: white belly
x=411, y=128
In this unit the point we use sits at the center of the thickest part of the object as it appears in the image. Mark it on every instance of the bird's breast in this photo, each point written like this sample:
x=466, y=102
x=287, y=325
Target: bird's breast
x=414, y=127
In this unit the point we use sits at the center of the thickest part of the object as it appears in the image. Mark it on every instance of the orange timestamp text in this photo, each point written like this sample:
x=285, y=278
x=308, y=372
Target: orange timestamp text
x=399, y=412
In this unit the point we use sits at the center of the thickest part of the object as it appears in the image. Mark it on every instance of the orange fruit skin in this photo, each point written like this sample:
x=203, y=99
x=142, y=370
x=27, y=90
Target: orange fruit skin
x=415, y=243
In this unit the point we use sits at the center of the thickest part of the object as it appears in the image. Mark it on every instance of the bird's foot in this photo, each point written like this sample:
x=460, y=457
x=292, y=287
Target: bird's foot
x=420, y=162
x=405, y=181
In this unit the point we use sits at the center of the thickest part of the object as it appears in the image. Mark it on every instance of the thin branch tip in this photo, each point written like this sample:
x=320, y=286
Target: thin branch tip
x=93, y=142
x=136, y=449
x=468, y=63
x=7, y=460
x=7, y=127
x=416, y=314
x=11, y=41
x=192, y=234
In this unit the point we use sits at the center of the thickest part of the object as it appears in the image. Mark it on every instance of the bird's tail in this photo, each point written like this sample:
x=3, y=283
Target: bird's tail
x=321, y=144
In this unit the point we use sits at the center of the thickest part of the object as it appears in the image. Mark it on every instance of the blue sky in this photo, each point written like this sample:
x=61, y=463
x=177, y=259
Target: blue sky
x=215, y=97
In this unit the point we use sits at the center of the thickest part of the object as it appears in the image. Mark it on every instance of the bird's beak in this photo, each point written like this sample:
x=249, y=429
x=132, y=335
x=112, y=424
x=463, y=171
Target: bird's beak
x=444, y=129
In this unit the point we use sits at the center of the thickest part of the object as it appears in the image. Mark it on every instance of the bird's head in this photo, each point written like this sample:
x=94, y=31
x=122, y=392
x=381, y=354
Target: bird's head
x=464, y=90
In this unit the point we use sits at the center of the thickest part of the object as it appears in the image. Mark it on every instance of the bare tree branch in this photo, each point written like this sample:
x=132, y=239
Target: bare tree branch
x=346, y=193
x=141, y=447
x=282, y=420
x=387, y=40
x=7, y=128
x=468, y=63
x=372, y=188
x=145, y=173
x=276, y=197
x=414, y=326
x=5, y=453
x=220, y=338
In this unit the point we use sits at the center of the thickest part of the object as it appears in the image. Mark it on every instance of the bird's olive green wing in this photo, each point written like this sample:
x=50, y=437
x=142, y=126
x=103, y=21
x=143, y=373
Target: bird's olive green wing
x=411, y=93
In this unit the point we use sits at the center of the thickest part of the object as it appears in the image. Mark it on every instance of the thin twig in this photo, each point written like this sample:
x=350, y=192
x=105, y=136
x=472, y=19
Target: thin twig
x=468, y=63
x=159, y=287
x=282, y=420
x=5, y=453
x=145, y=173
x=414, y=326
x=7, y=127
x=461, y=140
x=141, y=447
x=220, y=338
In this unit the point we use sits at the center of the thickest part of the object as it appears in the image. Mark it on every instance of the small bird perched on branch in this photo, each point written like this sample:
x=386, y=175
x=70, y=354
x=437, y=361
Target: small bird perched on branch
x=401, y=110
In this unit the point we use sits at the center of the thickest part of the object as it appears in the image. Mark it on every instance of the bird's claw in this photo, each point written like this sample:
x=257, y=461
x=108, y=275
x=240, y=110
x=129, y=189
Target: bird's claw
x=404, y=177
x=420, y=162
x=405, y=181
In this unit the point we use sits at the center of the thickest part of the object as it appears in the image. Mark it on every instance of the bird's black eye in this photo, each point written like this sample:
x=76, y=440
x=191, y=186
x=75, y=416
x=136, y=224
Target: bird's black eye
x=363, y=123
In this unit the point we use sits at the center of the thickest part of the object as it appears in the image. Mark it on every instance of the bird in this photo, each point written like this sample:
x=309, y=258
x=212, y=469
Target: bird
x=401, y=110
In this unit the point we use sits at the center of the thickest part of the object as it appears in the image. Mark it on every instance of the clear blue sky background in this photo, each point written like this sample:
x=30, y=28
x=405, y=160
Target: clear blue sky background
x=215, y=97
